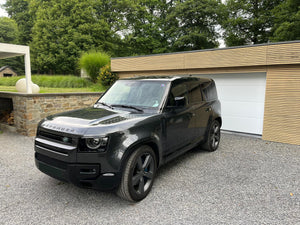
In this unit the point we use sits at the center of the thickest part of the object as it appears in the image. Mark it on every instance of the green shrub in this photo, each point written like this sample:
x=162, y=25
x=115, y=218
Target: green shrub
x=9, y=81
x=60, y=81
x=53, y=81
x=106, y=77
x=91, y=62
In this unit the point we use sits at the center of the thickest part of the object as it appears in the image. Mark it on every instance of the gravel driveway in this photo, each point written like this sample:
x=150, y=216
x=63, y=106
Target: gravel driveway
x=247, y=181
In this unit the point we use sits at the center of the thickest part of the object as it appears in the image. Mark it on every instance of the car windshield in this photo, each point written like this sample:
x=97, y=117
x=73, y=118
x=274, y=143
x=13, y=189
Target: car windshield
x=135, y=93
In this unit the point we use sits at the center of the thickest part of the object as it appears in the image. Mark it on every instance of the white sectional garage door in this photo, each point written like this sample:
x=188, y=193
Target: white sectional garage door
x=242, y=97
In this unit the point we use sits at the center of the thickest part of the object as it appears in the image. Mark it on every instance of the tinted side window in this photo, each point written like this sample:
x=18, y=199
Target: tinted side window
x=195, y=94
x=209, y=91
x=177, y=90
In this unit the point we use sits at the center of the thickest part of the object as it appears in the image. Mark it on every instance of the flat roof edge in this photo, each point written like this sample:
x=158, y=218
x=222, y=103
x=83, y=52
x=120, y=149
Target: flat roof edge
x=211, y=49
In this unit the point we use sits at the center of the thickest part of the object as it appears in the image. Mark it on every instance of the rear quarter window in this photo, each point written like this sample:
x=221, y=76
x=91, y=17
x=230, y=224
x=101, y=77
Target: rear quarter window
x=195, y=94
x=209, y=91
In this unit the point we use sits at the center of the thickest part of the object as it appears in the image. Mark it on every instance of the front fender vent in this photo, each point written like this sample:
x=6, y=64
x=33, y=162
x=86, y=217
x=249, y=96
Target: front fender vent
x=113, y=120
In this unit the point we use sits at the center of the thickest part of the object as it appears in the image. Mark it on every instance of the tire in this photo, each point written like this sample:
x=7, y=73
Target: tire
x=138, y=174
x=213, y=138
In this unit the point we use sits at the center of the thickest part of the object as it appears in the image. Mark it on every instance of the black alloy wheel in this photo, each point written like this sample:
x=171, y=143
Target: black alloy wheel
x=213, y=138
x=138, y=175
x=215, y=135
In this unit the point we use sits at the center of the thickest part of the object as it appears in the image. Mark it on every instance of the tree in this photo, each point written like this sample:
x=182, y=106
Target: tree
x=193, y=24
x=19, y=11
x=248, y=21
x=9, y=30
x=146, y=33
x=65, y=29
x=9, y=34
x=115, y=14
x=287, y=21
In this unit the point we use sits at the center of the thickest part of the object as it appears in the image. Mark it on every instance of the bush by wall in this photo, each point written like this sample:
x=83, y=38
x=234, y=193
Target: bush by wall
x=106, y=77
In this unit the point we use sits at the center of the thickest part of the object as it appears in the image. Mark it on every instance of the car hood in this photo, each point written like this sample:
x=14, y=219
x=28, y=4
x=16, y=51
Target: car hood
x=88, y=121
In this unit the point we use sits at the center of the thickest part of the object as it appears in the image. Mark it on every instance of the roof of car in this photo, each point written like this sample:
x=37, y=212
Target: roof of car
x=167, y=78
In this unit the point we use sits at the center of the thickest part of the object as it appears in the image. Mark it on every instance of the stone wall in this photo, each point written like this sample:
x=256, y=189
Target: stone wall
x=29, y=109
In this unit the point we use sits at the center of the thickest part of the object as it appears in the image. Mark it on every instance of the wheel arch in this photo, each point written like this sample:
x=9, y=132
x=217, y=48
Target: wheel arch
x=219, y=119
x=134, y=146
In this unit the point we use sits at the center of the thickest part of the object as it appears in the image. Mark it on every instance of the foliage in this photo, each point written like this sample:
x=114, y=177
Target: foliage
x=59, y=31
x=287, y=21
x=248, y=21
x=65, y=29
x=16, y=63
x=93, y=88
x=9, y=30
x=9, y=81
x=58, y=81
x=9, y=34
x=19, y=11
x=147, y=27
x=157, y=26
x=92, y=62
x=195, y=24
x=106, y=77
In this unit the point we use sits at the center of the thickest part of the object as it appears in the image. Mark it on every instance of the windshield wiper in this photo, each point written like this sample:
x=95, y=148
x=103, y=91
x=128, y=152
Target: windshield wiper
x=129, y=107
x=103, y=103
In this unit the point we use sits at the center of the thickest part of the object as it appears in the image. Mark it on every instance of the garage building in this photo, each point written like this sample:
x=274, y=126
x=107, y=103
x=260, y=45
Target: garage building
x=258, y=85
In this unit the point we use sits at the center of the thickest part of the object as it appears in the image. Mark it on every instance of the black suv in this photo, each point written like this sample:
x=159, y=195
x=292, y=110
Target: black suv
x=136, y=126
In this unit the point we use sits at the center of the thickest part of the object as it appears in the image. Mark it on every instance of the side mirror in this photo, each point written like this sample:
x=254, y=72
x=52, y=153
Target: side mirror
x=180, y=101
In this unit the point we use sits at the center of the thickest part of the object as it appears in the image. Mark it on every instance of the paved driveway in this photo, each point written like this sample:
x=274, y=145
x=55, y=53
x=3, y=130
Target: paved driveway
x=247, y=181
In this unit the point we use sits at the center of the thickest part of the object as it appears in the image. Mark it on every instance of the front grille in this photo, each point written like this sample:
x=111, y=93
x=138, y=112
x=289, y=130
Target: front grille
x=56, y=137
x=56, y=144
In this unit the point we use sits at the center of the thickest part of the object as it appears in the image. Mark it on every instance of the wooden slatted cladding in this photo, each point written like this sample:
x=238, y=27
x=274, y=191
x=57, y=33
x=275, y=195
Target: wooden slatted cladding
x=159, y=62
x=283, y=54
x=261, y=55
x=227, y=58
x=282, y=105
x=203, y=59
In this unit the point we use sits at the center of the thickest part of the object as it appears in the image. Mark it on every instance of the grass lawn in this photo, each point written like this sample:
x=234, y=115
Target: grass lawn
x=54, y=84
x=58, y=90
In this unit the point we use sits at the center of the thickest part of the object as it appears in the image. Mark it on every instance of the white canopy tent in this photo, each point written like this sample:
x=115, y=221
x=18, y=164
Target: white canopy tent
x=10, y=50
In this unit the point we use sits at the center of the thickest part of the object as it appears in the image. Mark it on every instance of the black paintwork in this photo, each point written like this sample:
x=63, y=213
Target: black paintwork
x=170, y=131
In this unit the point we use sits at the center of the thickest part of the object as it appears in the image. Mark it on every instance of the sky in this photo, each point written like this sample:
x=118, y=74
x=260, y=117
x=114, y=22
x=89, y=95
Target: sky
x=2, y=11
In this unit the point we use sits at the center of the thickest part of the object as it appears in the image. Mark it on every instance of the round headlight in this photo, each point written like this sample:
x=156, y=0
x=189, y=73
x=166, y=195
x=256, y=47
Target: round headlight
x=93, y=143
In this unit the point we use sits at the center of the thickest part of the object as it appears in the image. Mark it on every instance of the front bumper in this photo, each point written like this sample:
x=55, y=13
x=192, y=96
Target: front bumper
x=80, y=174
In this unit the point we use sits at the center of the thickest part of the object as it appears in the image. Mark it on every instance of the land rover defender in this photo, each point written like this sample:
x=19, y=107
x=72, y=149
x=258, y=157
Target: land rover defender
x=136, y=126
